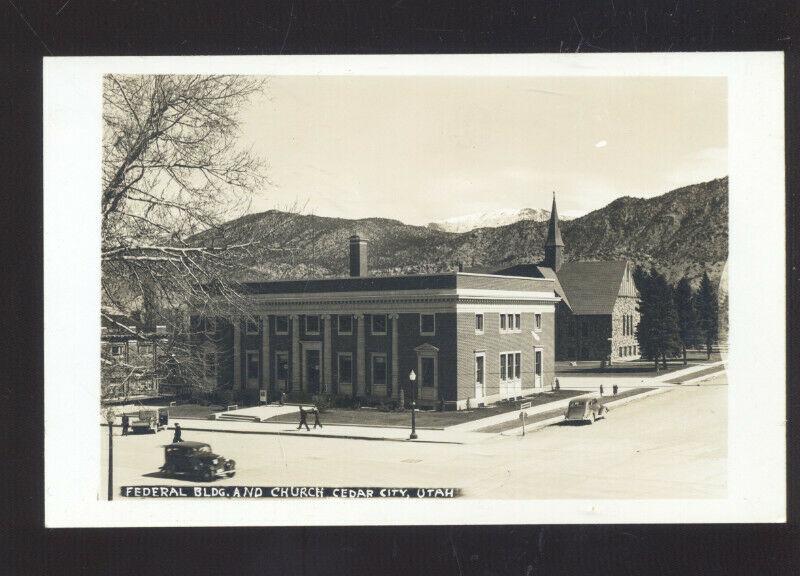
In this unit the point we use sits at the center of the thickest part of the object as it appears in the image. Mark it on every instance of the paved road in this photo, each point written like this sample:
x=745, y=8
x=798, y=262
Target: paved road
x=672, y=445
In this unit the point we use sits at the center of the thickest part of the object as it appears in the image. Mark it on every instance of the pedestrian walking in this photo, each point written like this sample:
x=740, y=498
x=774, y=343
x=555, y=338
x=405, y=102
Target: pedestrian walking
x=316, y=418
x=282, y=398
x=303, y=419
x=601, y=389
x=558, y=386
x=125, y=421
x=177, y=436
x=615, y=389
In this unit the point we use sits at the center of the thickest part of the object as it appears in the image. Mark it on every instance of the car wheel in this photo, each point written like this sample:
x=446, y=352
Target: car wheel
x=168, y=470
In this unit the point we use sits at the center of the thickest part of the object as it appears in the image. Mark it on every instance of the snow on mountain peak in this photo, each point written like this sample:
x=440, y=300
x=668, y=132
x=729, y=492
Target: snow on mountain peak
x=489, y=219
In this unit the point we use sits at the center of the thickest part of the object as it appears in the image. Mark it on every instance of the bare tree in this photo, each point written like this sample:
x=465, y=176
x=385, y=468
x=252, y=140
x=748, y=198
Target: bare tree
x=172, y=176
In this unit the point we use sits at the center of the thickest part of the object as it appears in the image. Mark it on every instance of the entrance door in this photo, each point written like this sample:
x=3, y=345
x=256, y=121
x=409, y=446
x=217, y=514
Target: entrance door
x=480, y=376
x=537, y=373
x=312, y=371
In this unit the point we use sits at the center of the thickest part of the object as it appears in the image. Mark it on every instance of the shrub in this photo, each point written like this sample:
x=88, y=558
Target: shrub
x=323, y=402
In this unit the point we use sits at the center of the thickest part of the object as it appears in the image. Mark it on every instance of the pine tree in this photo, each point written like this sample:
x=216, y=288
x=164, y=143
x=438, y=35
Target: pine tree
x=687, y=315
x=658, y=333
x=708, y=313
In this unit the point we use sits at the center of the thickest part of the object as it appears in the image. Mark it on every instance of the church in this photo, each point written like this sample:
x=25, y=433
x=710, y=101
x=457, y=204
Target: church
x=597, y=316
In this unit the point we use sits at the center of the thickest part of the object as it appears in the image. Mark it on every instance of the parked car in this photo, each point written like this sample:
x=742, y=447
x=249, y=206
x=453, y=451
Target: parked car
x=585, y=410
x=197, y=460
x=150, y=421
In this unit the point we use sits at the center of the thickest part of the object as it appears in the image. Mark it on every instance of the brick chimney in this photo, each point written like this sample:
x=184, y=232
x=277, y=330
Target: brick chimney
x=358, y=256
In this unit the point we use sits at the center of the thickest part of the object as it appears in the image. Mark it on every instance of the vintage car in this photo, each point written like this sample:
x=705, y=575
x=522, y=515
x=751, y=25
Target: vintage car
x=150, y=421
x=585, y=410
x=196, y=459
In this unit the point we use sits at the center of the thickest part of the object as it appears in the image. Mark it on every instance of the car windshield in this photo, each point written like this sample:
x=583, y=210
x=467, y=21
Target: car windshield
x=204, y=449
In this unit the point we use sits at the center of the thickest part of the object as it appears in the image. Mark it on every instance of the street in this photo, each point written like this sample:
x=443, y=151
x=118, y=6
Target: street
x=671, y=445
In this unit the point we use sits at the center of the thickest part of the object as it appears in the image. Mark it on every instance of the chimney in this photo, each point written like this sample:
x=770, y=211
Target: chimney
x=358, y=256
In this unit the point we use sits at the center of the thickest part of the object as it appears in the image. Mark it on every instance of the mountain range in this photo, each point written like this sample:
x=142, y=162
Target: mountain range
x=682, y=233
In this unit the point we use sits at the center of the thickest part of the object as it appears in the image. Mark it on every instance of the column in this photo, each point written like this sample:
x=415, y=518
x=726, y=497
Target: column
x=265, y=352
x=237, y=354
x=395, y=360
x=361, y=380
x=295, y=375
x=327, y=327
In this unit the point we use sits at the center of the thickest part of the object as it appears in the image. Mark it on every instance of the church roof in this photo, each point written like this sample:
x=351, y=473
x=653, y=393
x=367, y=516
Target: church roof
x=592, y=287
x=553, y=230
x=536, y=271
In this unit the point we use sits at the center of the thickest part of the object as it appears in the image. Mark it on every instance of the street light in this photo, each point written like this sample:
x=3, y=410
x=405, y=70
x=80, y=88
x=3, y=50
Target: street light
x=413, y=377
x=110, y=417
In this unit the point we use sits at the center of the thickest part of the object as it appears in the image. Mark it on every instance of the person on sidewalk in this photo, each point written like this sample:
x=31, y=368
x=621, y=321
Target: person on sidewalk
x=303, y=419
x=125, y=421
x=615, y=389
x=558, y=386
x=282, y=398
x=177, y=436
x=316, y=418
x=601, y=390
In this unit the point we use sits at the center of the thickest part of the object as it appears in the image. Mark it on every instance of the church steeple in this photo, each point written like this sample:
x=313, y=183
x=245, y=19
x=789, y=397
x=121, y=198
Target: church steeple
x=554, y=245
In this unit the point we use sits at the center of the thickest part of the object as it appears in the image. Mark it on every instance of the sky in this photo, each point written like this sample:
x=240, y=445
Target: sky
x=422, y=149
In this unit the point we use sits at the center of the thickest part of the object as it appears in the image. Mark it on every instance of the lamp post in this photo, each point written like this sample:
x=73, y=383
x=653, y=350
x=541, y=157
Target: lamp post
x=413, y=378
x=110, y=417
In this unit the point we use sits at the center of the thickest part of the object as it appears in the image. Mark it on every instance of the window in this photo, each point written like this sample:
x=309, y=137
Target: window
x=252, y=364
x=379, y=324
x=480, y=376
x=502, y=367
x=427, y=372
x=345, y=323
x=427, y=324
x=537, y=369
x=252, y=326
x=510, y=366
x=345, y=368
x=211, y=364
x=517, y=322
x=312, y=324
x=502, y=322
x=281, y=324
x=517, y=365
x=537, y=322
x=379, y=368
x=479, y=323
x=620, y=350
x=281, y=366
x=116, y=350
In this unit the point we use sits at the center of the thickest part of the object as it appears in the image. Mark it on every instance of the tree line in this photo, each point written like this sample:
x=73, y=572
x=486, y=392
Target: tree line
x=675, y=318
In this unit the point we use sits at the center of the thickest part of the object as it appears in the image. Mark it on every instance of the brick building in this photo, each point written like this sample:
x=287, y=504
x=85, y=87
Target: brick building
x=470, y=338
x=597, y=316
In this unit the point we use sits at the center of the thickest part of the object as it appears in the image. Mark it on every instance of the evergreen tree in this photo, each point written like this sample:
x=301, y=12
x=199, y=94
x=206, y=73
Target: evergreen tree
x=657, y=333
x=687, y=315
x=708, y=313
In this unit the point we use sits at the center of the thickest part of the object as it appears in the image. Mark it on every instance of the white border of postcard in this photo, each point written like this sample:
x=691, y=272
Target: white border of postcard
x=756, y=365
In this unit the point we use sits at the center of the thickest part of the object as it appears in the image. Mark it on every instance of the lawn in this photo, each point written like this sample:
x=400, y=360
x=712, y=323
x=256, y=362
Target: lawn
x=425, y=418
x=634, y=367
x=693, y=375
x=191, y=411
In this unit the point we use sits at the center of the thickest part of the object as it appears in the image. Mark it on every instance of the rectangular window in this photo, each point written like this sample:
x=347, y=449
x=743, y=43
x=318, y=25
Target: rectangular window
x=211, y=364
x=510, y=366
x=537, y=322
x=428, y=372
x=252, y=326
x=517, y=365
x=502, y=321
x=620, y=350
x=116, y=350
x=379, y=324
x=281, y=324
x=502, y=366
x=478, y=322
x=252, y=364
x=345, y=323
x=427, y=324
x=281, y=366
x=538, y=362
x=345, y=368
x=517, y=322
x=479, y=368
x=379, y=368
x=312, y=324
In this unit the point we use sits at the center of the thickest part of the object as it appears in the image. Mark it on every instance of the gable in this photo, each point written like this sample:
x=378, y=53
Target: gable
x=593, y=287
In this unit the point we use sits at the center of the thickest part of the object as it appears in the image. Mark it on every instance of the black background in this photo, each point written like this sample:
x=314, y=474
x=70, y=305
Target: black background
x=32, y=30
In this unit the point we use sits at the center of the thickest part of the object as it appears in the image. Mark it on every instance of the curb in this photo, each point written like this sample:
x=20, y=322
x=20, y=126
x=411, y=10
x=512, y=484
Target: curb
x=317, y=435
